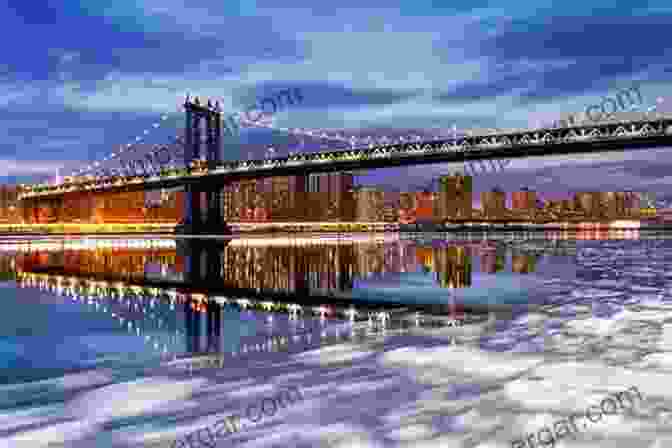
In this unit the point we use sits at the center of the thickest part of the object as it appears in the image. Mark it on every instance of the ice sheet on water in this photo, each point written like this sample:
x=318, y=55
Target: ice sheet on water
x=132, y=398
x=595, y=293
x=467, y=360
x=333, y=354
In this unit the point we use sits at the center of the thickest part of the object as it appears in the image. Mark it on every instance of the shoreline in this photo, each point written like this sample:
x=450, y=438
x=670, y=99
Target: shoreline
x=470, y=229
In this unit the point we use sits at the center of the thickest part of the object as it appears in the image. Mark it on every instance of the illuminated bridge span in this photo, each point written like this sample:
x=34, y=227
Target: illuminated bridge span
x=210, y=174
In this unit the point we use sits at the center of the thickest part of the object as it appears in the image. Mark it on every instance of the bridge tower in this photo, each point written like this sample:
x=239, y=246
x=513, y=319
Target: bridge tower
x=200, y=119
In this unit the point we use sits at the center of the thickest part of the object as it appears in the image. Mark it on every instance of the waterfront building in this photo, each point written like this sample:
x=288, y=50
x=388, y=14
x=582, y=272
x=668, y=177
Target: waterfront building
x=241, y=198
x=407, y=207
x=494, y=204
x=613, y=205
x=588, y=203
x=567, y=205
x=286, y=198
x=280, y=198
x=454, y=199
x=9, y=204
x=424, y=207
x=369, y=203
x=631, y=201
x=524, y=200
x=391, y=202
x=328, y=197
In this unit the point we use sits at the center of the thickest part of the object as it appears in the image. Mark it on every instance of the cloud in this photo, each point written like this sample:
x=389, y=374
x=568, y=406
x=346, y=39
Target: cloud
x=12, y=167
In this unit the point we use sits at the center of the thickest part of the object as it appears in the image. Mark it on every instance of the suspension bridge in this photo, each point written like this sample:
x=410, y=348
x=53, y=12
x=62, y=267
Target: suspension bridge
x=204, y=169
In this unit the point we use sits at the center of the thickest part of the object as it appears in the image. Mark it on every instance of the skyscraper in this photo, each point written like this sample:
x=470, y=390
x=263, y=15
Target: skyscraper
x=424, y=207
x=407, y=205
x=454, y=199
x=589, y=203
x=370, y=203
x=608, y=204
x=9, y=203
x=524, y=200
x=494, y=203
x=328, y=196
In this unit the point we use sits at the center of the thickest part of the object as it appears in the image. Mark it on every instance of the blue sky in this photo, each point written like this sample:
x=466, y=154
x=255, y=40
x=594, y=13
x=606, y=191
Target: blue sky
x=79, y=79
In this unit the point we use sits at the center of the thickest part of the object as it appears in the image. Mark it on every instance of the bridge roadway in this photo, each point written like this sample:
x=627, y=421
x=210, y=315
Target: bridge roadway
x=535, y=143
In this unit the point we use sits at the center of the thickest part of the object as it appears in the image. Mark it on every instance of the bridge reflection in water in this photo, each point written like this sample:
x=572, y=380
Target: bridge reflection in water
x=139, y=311
x=293, y=264
x=303, y=279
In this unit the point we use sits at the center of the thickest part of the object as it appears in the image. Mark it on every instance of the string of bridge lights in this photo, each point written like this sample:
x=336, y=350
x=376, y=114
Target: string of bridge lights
x=354, y=141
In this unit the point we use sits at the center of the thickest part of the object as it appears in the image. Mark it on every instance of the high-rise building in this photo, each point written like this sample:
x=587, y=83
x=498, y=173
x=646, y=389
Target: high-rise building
x=631, y=203
x=328, y=197
x=494, y=204
x=524, y=200
x=621, y=209
x=588, y=203
x=9, y=203
x=369, y=203
x=454, y=199
x=269, y=199
x=391, y=201
x=424, y=207
x=407, y=205
x=608, y=204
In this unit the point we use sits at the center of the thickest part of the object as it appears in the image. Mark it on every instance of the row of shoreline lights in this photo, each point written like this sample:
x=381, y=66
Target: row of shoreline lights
x=320, y=134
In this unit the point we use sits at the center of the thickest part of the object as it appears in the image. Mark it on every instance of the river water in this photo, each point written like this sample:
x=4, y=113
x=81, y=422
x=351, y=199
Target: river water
x=487, y=338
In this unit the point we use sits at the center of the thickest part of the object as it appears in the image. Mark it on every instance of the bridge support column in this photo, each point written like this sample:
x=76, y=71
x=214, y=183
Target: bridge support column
x=197, y=117
x=193, y=255
x=214, y=262
x=192, y=210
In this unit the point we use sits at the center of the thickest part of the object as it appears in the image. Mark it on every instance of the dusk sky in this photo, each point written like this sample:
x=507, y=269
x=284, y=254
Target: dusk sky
x=79, y=79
